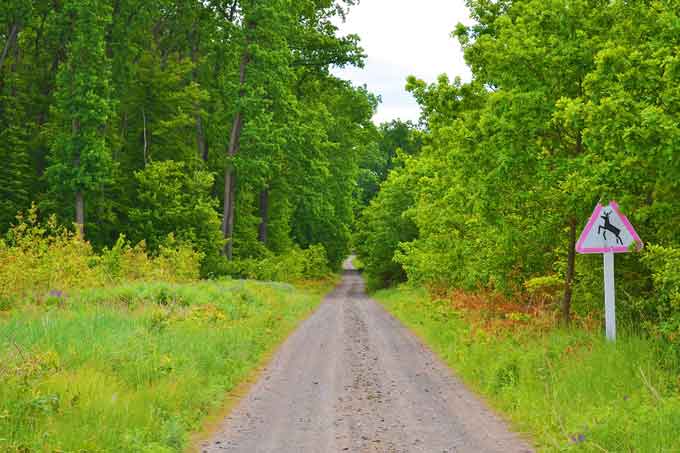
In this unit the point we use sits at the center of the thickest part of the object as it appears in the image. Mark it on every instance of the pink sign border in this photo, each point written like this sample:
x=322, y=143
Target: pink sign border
x=591, y=224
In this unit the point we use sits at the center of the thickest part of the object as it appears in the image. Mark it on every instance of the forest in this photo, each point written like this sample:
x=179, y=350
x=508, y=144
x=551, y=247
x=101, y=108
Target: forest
x=571, y=103
x=216, y=122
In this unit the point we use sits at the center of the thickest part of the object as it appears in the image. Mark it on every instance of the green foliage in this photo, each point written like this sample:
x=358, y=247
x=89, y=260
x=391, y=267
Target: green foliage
x=662, y=312
x=384, y=225
x=38, y=258
x=292, y=266
x=571, y=103
x=153, y=360
x=323, y=203
x=173, y=199
x=15, y=171
x=376, y=162
x=570, y=390
x=80, y=157
x=110, y=99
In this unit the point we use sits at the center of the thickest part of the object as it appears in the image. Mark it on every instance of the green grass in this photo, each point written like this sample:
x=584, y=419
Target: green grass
x=135, y=368
x=569, y=390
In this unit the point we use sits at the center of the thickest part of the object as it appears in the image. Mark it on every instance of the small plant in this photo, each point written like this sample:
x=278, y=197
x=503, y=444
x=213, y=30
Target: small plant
x=54, y=298
x=7, y=303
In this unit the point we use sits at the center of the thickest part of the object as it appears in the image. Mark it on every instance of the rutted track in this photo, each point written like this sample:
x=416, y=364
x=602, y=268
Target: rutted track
x=352, y=378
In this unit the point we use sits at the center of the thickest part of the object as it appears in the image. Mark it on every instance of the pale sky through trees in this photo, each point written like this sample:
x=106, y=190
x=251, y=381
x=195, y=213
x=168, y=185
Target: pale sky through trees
x=404, y=37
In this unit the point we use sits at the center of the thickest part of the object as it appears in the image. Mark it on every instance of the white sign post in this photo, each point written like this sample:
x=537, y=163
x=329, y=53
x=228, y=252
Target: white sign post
x=609, y=296
x=608, y=232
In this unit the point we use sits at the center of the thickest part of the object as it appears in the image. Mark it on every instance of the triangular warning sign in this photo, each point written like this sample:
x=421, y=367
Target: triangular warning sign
x=608, y=231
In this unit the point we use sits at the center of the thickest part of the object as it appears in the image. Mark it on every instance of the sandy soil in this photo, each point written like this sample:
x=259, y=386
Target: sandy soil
x=352, y=378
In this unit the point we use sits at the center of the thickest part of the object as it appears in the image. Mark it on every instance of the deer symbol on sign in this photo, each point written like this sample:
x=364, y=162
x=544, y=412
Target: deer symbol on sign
x=609, y=227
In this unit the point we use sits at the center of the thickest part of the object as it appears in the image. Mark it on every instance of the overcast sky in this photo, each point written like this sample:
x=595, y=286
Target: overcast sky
x=402, y=38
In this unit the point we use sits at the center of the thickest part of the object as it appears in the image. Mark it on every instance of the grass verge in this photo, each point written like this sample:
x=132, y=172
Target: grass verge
x=569, y=390
x=138, y=367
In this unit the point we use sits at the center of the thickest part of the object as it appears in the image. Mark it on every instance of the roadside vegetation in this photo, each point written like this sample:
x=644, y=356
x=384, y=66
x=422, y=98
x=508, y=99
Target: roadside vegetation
x=138, y=366
x=565, y=389
x=125, y=351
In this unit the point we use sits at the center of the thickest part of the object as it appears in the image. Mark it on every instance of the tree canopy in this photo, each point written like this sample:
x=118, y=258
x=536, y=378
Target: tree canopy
x=218, y=121
x=572, y=102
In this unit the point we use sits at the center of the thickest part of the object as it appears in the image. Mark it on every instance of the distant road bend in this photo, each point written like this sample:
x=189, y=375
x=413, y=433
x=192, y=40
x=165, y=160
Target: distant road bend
x=354, y=379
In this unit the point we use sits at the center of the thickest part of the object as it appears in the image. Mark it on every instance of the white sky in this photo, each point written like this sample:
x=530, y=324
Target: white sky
x=402, y=38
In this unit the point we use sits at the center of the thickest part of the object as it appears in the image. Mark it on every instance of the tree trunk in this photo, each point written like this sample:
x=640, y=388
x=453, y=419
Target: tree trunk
x=229, y=210
x=230, y=189
x=146, y=140
x=80, y=215
x=229, y=175
x=200, y=132
x=80, y=201
x=569, y=277
x=264, y=216
x=200, y=139
x=9, y=44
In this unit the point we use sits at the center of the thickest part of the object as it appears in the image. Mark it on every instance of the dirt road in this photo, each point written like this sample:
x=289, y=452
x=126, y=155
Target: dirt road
x=353, y=379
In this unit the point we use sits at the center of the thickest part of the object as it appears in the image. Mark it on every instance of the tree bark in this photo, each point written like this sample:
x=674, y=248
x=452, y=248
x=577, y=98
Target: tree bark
x=200, y=139
x=569, y=277
x=229, y=210
x=264, y=216
x=11, y=40
x=200, y=130
x=571, y=257
x=230, y=188
x=229, y=174
x=80, y=198
x=146, y=140
x=80, y=214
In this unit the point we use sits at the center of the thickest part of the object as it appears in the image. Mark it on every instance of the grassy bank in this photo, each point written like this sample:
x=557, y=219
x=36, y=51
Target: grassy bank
x=135, y=368
x=569, y=390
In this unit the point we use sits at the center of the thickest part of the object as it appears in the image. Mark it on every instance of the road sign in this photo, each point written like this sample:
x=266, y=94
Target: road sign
x=608, y=231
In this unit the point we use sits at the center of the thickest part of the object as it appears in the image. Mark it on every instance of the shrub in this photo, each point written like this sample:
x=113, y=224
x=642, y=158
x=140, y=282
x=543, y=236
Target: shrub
x=174, y=199
x=664, y=262
x=383, y=226
x=294, y=265
x=38, y=259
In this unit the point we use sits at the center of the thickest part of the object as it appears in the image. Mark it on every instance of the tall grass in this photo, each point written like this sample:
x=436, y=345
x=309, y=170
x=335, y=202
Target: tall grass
x=38, y=259
x=134, y=368
x=569, y=390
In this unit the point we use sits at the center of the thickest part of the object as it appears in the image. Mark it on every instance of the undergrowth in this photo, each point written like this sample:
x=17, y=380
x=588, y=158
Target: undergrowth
x=294, y=265
x=40, y=261
x=136, y=367
x=568, y=389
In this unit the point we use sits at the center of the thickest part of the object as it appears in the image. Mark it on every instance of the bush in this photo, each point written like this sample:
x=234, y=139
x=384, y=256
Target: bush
x=294, y=265
x=664, y=307
x=36, y=259
x=173, y=199
x=383, y=226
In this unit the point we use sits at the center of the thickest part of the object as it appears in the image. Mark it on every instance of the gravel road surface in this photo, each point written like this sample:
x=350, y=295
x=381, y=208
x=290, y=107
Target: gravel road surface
x=353, y=379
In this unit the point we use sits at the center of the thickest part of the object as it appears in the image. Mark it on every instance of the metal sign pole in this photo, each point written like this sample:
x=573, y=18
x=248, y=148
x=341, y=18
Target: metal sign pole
x=609, y=296
x=608, y=231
